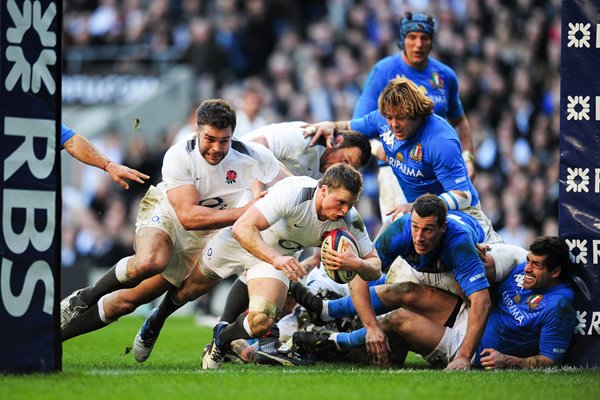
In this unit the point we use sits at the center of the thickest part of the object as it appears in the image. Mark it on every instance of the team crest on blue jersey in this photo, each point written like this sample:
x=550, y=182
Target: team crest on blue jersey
x=517, y=298
x=399, y=157
x=534, y=301
x=231, y=176
x=436, y=81
x=416, y=153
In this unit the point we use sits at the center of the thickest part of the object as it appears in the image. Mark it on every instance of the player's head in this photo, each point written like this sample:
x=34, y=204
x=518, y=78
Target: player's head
x=415, y=22
x=416, y=39
x=547, y=261
x=403, y=105
x=338, y=190
x=215, y=123
x=428, y=223
x=349, y=147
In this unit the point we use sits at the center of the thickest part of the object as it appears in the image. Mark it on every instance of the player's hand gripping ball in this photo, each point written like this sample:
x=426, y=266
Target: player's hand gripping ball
x=339, y=240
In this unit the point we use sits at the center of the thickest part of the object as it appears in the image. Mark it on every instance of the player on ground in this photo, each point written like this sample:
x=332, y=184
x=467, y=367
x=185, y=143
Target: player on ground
x=530, y=326
x=432, y=241
x=203, y=180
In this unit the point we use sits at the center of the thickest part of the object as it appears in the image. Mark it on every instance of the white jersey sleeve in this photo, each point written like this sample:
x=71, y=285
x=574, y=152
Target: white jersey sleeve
x=283, y=197
x=287, y=142
x=177, y=168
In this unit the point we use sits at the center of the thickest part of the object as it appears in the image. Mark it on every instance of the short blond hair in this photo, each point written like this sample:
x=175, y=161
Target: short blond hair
x=403, y=94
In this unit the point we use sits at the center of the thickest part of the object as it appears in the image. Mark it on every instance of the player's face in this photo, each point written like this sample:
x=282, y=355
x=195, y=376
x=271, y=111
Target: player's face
x=426, y=234
x=417, y=46
x=537, y=275
x=348, y=155
x=214, y=143
x=335, y=203
x=402, y=126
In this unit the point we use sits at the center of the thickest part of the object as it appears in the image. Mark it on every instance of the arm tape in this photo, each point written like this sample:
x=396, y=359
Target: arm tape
x=454, y=202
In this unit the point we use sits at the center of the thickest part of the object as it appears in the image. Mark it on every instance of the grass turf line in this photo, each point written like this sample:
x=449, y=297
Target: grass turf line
x=98, y=366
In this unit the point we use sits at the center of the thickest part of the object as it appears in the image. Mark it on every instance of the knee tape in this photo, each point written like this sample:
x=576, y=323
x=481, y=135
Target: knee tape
x=263, y=305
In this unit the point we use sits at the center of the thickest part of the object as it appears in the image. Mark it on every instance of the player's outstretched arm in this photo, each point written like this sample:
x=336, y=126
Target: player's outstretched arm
x=83, y=150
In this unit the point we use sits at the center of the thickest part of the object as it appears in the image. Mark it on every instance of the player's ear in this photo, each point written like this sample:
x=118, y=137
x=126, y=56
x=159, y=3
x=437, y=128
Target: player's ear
x=338, y=139
x=556, y=272
x=323, y=190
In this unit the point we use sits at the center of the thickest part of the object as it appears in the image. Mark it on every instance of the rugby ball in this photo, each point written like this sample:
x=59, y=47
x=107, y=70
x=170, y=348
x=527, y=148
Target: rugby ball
x=339, y=240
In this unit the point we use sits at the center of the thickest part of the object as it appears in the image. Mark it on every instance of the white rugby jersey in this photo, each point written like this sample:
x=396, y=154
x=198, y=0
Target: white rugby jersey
x=286, y=140
x=220, y=186
x=290, y=209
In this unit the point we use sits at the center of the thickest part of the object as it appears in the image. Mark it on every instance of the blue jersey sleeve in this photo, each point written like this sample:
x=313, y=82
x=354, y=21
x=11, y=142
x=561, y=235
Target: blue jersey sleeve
x=446, y=157
x=455, y=107
x=469, y=271
x=557, y=329
x=368, y=124
x=394, y=241
x=65, y=134
x=367, y=101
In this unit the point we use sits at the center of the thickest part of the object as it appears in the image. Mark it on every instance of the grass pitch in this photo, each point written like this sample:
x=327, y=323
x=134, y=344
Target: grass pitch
x=98, y=366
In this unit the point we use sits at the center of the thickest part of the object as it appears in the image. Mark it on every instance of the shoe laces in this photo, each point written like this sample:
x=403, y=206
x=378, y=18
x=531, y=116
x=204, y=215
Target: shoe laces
x=217, y=353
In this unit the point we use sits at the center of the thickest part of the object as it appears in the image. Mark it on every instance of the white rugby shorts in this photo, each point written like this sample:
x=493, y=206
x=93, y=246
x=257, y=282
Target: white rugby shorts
x=223, y=256
x=453, y=337
x=156, y=212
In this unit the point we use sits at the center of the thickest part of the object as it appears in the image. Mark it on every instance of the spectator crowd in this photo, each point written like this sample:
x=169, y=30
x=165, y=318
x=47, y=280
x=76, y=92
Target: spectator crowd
x=278, y=60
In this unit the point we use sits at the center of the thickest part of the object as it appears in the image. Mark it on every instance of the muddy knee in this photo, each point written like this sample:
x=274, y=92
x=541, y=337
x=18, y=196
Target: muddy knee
x=398, y=294
x=261, y=316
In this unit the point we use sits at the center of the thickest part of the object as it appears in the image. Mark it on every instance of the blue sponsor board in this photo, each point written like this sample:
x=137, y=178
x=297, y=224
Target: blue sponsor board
x=579, y=212
x=30, y=36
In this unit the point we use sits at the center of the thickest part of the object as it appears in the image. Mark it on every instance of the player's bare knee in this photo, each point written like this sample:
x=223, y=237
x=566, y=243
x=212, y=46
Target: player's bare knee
x=397, y=321
x=146, y=265
x=400, y=294
x=117, y=306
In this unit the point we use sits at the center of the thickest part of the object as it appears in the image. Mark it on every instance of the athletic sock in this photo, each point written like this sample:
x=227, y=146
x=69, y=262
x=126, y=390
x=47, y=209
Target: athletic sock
x=108, y=283
x=345, y=308
x=167, y=306
x=237, y=330
x=347, y=341
x=237, y=301
x=87, y=322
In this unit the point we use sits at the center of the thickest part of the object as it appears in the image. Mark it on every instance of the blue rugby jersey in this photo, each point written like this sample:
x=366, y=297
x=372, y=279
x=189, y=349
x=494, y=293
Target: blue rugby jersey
x=456, y=252
x=529, y=322
x=430, y=161
x=438, y=81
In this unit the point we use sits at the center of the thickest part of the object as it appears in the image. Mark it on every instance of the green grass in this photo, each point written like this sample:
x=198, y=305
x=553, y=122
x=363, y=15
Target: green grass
x=96, y=366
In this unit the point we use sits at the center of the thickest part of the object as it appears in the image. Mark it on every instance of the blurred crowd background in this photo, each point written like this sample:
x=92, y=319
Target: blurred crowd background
x=284, y=60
